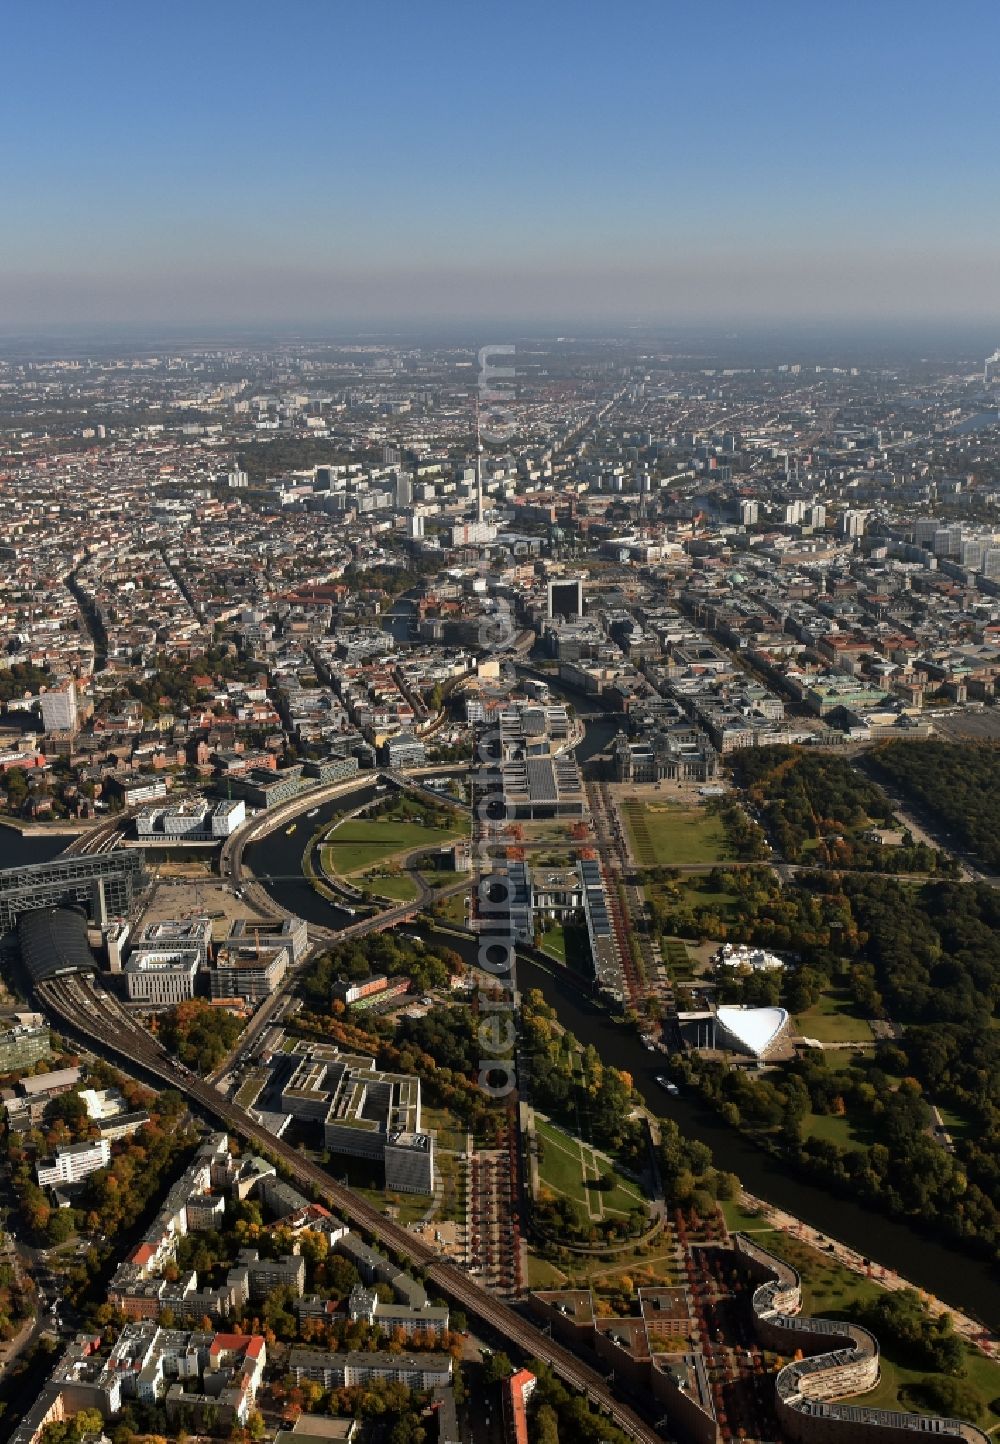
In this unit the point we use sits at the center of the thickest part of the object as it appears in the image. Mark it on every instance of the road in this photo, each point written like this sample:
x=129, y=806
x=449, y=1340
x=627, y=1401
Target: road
x=921, y=828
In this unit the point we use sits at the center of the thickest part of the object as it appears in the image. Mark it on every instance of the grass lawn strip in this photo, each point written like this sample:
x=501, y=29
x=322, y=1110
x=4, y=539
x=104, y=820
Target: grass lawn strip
x=581, y=1271
x=664, y=834
x=591, y=1174
x=544, y=1275
x=358, y=844
x=251, y=1088
x=451, y=1205
x=678, y=960
x=560, y=1165
x=554, y=942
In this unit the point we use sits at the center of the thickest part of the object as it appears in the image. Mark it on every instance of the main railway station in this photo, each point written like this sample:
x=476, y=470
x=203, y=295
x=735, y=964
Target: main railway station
x=105, y=885
x=55, y=913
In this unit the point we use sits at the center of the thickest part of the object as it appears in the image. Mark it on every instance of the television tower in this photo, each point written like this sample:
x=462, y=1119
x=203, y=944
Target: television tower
x=479, y=468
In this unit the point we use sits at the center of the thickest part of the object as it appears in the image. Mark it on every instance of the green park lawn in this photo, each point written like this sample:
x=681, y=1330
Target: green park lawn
x=834, y=1018
x=698, y=892
x=570, y=946
x=360, y=843
x=740, y=1220
x=399, y=887
x=982, y=1380
x=568, y=1165
x=561, y=1165
x=452, y=909
x=554, y=942
x=833, y=1128
x=664, y=834
x=838, y=1059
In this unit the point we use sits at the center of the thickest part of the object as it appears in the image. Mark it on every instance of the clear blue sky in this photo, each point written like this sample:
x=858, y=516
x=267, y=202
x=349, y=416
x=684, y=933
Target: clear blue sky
x=676, y=160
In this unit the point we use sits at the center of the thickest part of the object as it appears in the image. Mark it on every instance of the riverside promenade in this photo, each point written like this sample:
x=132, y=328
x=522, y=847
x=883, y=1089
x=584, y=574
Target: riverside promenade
x=776, y=1218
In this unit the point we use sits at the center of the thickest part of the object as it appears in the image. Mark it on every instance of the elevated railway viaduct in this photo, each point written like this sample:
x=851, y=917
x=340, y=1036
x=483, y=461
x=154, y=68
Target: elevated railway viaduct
x=103, y=1024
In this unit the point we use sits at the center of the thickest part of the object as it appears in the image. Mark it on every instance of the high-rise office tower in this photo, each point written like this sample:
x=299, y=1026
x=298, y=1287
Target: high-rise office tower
x=565, y=598
x=59, y=709
x=852, y=524
x=404, y=490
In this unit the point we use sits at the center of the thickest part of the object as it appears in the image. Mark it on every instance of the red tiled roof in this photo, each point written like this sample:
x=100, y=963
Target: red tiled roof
x=518, y=1389
x=232, y=1343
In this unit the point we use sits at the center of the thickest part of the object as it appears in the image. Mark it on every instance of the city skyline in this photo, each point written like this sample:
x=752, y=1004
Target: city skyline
x=445, y=166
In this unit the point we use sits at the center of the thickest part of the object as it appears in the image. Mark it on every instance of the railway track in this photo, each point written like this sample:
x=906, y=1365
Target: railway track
x=101, y=838
x=102, y=1022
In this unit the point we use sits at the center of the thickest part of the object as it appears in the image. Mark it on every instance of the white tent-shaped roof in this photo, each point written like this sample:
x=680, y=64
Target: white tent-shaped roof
x=752, y=1029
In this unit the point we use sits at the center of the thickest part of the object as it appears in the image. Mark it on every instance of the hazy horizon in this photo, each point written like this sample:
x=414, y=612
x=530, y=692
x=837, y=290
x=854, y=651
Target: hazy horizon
x=563, y=165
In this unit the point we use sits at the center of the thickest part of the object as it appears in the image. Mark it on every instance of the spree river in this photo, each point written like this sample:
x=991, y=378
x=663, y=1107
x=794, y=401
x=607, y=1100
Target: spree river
x=952, y=1276
x=933, y=1266
x=17, y=850
x=276, y=861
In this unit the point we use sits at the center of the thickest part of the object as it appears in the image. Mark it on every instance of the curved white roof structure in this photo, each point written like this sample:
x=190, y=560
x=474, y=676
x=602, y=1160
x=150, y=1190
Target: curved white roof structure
x=752, y=1029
